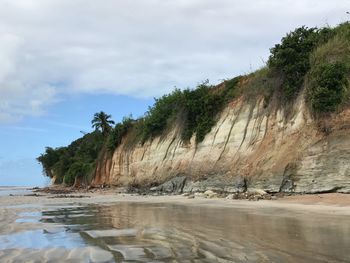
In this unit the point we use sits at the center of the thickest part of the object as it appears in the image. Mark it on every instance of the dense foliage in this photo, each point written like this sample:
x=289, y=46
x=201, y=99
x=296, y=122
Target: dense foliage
x=77, y=169
x=158, y=116
x=200, y=109
x=291, y=58
x=77, y=159
x=328, y=87
x=197, y=109
x=118, y=132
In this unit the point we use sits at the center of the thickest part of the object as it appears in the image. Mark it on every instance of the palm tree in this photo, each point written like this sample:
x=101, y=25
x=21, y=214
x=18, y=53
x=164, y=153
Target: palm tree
x=101, y=121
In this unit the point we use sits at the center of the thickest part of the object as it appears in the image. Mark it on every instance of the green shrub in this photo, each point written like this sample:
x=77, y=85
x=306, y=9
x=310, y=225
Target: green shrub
x=291, y=58
x=157, y=116
x=197, y=108
x=77, y=169
x=230, y=90
x=118, y=132
x=328, y=85
x=201, y=107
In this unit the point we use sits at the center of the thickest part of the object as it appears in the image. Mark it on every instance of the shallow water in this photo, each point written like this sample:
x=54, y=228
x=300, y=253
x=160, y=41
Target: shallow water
x=5, y=191
x=135, y=232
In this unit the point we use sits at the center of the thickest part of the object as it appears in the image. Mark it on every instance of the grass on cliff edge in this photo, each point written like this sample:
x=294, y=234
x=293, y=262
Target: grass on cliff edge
x=328, y=79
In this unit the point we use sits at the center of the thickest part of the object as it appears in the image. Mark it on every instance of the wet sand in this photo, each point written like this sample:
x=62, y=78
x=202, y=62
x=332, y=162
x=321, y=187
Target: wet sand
x=18, y=215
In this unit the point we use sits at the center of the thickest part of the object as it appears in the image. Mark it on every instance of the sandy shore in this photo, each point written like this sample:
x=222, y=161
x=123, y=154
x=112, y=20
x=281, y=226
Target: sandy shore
x=333, y=203
x=13, y=207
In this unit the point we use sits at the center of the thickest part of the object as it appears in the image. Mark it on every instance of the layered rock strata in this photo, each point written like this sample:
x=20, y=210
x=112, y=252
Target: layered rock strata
x=250, y=147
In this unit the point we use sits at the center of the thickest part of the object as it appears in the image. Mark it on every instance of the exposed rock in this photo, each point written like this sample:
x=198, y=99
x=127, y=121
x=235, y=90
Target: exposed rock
x=69, y=196
x=218, y=183
x=122, y=190
x=55, y=190
x=34, y=194
x=287, y=184
x=256, y=191
x=230, y=196
x=175, y=186
x=210, y=194
x=199, y=195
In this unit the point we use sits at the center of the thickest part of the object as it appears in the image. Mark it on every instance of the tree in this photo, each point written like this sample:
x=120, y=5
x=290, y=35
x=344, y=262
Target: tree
x=102, y=122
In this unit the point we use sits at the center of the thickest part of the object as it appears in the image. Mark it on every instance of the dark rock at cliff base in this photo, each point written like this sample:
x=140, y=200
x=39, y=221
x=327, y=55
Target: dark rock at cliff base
x=287, y=185
x=218, y=183
x=288, y=182
x=175, y=186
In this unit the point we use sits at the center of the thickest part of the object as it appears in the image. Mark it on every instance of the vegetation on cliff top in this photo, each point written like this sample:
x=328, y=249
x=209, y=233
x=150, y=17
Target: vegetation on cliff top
x=291, y=58
x=196, y=108
x=310, y=59
x=77, y=159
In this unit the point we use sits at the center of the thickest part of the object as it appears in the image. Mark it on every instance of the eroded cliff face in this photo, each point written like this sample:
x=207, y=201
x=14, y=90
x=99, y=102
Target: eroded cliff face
x=250, y=147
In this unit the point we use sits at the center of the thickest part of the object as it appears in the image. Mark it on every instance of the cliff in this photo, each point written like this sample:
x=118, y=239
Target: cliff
x=249, y=147
x=283, y=128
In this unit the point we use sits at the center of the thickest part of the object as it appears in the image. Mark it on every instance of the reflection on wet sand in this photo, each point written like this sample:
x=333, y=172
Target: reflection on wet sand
x=177, y=233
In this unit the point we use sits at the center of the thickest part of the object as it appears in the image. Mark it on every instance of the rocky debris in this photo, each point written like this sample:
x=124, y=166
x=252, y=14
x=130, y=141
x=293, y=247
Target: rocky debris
x=69, y=196
x=252, y=196
x=55, y=190
x=199, y=195
x=33, y=195
x=133, y=190
x=287, y=185
x=256, y=191
x=173, y=186
x=217, y=183
x=210, y=194
x=36, y=195
x=122, y=190
x=213, y=187
x=230, y=196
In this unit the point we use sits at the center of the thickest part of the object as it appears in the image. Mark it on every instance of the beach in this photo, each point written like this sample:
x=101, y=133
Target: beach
x=34, y=227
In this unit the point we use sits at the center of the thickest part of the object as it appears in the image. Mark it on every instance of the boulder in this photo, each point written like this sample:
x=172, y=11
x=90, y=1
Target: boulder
x=210, y=194
x=174, y=186
x=256, y=191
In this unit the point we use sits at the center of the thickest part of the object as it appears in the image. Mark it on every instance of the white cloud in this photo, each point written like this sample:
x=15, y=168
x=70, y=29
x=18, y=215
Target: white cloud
x=51, y=48
x=21, y=92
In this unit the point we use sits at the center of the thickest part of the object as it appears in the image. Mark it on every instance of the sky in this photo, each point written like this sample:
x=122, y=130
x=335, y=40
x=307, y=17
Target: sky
x=62, y=60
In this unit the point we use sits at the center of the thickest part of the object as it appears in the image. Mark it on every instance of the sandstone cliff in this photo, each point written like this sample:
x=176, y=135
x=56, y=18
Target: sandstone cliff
x=282, y=128
x=249, y=147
